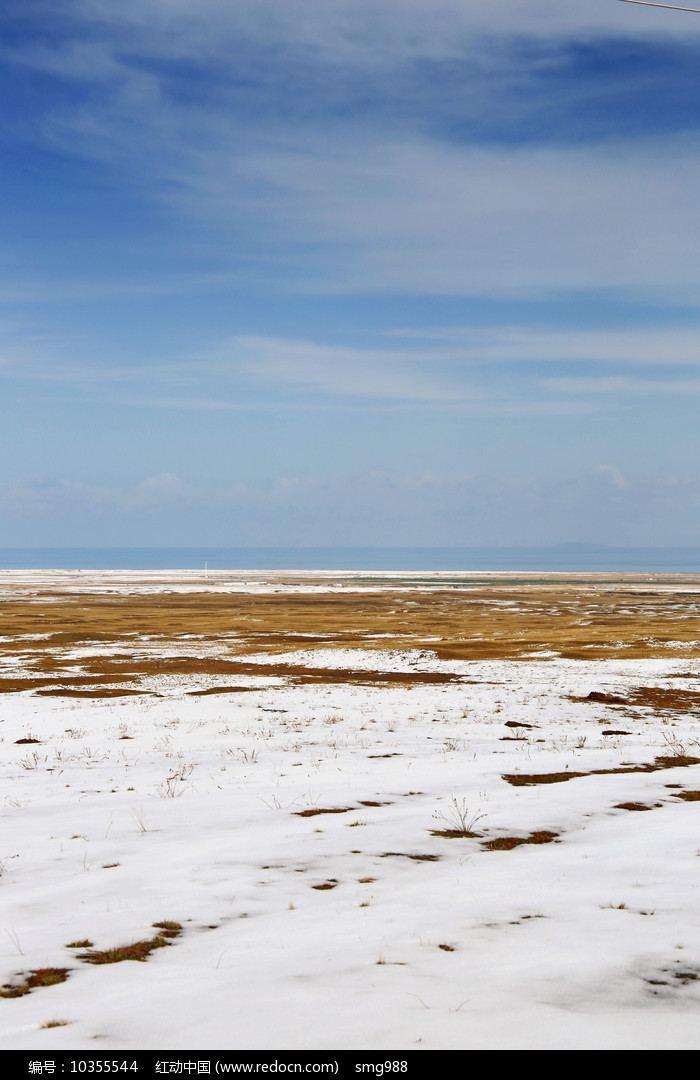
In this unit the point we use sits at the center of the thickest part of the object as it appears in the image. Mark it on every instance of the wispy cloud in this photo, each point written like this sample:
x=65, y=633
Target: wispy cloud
x=621, y=386
x=354, y=201
x=357, y=30
x=370, y=373
x=451, y=368
x=613, y=474
x=648, y=346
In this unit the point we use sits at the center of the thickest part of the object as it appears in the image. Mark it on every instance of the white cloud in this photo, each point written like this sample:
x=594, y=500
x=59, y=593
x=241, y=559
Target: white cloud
x=362, y=208
x=651, y=345
x=613, y=475
x=622, y=386
x=47, y=497
x=369, y=373
x=363, y=30
x=421, y=217
x=372, y=215
x=453, y=368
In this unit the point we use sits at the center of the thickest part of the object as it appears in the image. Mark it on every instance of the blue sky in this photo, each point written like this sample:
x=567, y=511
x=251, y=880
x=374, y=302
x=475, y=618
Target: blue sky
x=317, y=272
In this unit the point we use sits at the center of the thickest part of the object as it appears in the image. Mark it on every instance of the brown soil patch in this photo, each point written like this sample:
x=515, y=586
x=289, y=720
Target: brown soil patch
x=455, y=834
x=666, y=700
x=405, y=855
x=632, y=806
x=507, y=843
x=326, y=885
x=223, y=690
x=660, y=698
x=106, y=670
x=528, y=779
x=324, y=810
x=43, y=683
x=98, y=692
x=688, y=796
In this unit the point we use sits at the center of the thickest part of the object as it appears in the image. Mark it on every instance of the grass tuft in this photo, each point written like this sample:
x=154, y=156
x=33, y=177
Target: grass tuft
x=140, y=950
x=37, y=977
x=170, y=929
x=460, y=822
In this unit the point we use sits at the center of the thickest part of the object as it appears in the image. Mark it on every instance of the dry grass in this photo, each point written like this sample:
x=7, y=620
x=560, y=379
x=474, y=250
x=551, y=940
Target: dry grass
x=168, y=928
x=38, y=977
x=507, y=843
x=575, y=618
x=140, y=950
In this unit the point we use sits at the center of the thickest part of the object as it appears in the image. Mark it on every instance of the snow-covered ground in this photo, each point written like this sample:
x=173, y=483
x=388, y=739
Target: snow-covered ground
x=359, y=929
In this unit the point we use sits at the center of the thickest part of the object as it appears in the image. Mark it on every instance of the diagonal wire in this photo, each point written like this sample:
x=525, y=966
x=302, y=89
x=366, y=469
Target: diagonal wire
x=671, y=7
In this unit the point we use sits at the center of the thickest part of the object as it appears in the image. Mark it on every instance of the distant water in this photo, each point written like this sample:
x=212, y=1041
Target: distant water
x=539, y=559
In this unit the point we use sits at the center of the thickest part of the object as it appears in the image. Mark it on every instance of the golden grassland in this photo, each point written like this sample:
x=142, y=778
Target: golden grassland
x=497, y=619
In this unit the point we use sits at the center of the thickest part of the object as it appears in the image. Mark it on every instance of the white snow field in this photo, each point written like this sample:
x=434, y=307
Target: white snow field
x=292, y=831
